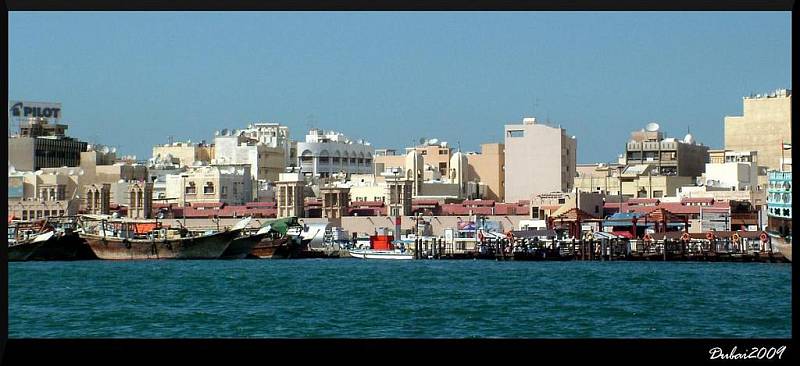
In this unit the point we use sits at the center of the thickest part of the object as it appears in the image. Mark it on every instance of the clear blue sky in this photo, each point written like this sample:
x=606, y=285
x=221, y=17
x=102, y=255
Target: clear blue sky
x=133, y=79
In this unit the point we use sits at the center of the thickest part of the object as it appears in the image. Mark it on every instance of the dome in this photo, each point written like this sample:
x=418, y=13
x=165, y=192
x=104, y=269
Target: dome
x=689, y=139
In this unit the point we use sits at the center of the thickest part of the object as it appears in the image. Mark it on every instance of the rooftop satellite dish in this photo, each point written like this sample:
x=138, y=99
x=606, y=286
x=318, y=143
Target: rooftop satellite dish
x=422, y=140
x=216, y=133
x=224, y=132
x=89, y=147
x=652, y=127
x=113, y=149
x=105, y=150
x=433, y=141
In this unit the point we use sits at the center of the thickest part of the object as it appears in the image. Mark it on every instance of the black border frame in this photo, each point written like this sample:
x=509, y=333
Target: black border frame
x=105, y=351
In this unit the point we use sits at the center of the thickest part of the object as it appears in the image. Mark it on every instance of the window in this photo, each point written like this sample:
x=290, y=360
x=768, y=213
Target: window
x=561, y=201
x=208, y=188
x=534, y=212
x=191, y=189
x=596, y=209
x=24, y=214
x=658, y=194
x=424, y=152
x=516, y=133
x=442, y=152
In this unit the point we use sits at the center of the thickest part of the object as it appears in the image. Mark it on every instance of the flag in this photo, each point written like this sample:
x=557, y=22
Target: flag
x=786, y=146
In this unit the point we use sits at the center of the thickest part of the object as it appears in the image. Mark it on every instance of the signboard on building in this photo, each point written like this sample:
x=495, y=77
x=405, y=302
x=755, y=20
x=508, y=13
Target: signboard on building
x=15, y=187
x=19, y=110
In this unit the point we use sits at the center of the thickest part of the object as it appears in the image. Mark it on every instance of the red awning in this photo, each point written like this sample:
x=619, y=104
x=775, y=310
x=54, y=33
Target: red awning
x=624, y=234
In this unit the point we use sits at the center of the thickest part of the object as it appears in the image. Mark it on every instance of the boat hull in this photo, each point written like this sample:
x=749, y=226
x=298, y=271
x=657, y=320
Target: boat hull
x=368, y=254
x=241, y=247
x=204, y=247
x=63, y=248
x=783, y=247
x=23, y=251
x=280, y=248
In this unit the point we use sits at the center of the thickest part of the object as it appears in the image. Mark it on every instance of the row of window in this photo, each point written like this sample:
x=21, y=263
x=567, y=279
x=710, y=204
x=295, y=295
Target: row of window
x=786, y=212
x=37, y=214
x=780, y=197
x=780, y=185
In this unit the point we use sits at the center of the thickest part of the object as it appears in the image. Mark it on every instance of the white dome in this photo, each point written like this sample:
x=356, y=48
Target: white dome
x=689, y=139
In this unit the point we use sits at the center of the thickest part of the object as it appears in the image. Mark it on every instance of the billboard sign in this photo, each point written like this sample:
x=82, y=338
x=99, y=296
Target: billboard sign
x=23, y=110
x=15, y=187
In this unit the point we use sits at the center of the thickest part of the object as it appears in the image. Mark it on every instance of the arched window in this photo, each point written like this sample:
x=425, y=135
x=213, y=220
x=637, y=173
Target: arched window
x=208, y=188
x=191, y=189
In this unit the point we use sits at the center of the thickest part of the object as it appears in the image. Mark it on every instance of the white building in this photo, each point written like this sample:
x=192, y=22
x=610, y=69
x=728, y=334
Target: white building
x=263, y=146
x=230, y=184
x=325, y=153
x=538, y=159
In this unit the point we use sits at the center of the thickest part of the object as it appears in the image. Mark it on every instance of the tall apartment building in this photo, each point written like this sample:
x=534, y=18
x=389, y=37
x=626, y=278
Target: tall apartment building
x=41, y=144
x=327, y=153
x=765, y=123
x=667, y=156
x=486, y=168
x=538, y=159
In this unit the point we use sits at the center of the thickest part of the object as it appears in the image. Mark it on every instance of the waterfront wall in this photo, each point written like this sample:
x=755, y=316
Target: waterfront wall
x=369, y=224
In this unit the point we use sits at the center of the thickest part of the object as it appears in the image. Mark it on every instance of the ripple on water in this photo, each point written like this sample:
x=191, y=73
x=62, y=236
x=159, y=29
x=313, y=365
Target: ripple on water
x=423, y=299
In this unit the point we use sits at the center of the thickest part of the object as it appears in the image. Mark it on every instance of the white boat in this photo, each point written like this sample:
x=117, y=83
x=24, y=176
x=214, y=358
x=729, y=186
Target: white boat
x=380, y=254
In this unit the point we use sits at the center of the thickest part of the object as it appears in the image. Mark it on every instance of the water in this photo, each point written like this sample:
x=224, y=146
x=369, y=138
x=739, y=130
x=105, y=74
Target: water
x=353, y=298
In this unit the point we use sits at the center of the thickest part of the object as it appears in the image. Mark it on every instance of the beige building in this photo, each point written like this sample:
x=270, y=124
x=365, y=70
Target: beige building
x=290, y=194
x=667, y=156
x=40, y=144
x=546, y=205
x=183, y=153
x=538, y=159
x=765, y=123
x=638, y=181
x=487, y=168
x=97, y=199
x=435, y=154
x=230, y=184
x=335, y=201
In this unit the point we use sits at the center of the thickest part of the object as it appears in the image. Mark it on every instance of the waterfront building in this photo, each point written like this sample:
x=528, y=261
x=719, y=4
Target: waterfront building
x=40, y=144
x=765, y=124
x=97, y=199
x=485, y=171
x=668, y=156
x=538, y=159
x=228, y=183
x=183, y=153
x=463, y=175
x=546, y=205
x=266, y=157
x=779, y=202
x=290, y=193
x=335, y=201
x=323, y=154
x=434, y=153
x=398, y=194
x=140, y=200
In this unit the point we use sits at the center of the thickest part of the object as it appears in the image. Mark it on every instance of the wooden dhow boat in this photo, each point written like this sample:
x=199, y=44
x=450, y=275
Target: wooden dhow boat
x=125, y=239
x=25, y=238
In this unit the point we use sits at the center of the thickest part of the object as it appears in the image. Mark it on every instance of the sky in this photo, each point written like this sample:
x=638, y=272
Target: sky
x=133, y=79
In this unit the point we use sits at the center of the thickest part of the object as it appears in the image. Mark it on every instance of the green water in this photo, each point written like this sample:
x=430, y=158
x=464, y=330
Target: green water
x=430, y=299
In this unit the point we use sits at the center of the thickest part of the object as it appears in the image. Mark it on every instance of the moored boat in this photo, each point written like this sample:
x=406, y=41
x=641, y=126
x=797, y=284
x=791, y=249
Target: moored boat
x=131, y=240
x=242, y=246
x=282, y=240
x=381, y=254
x=23, y=241
x=66, y=243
